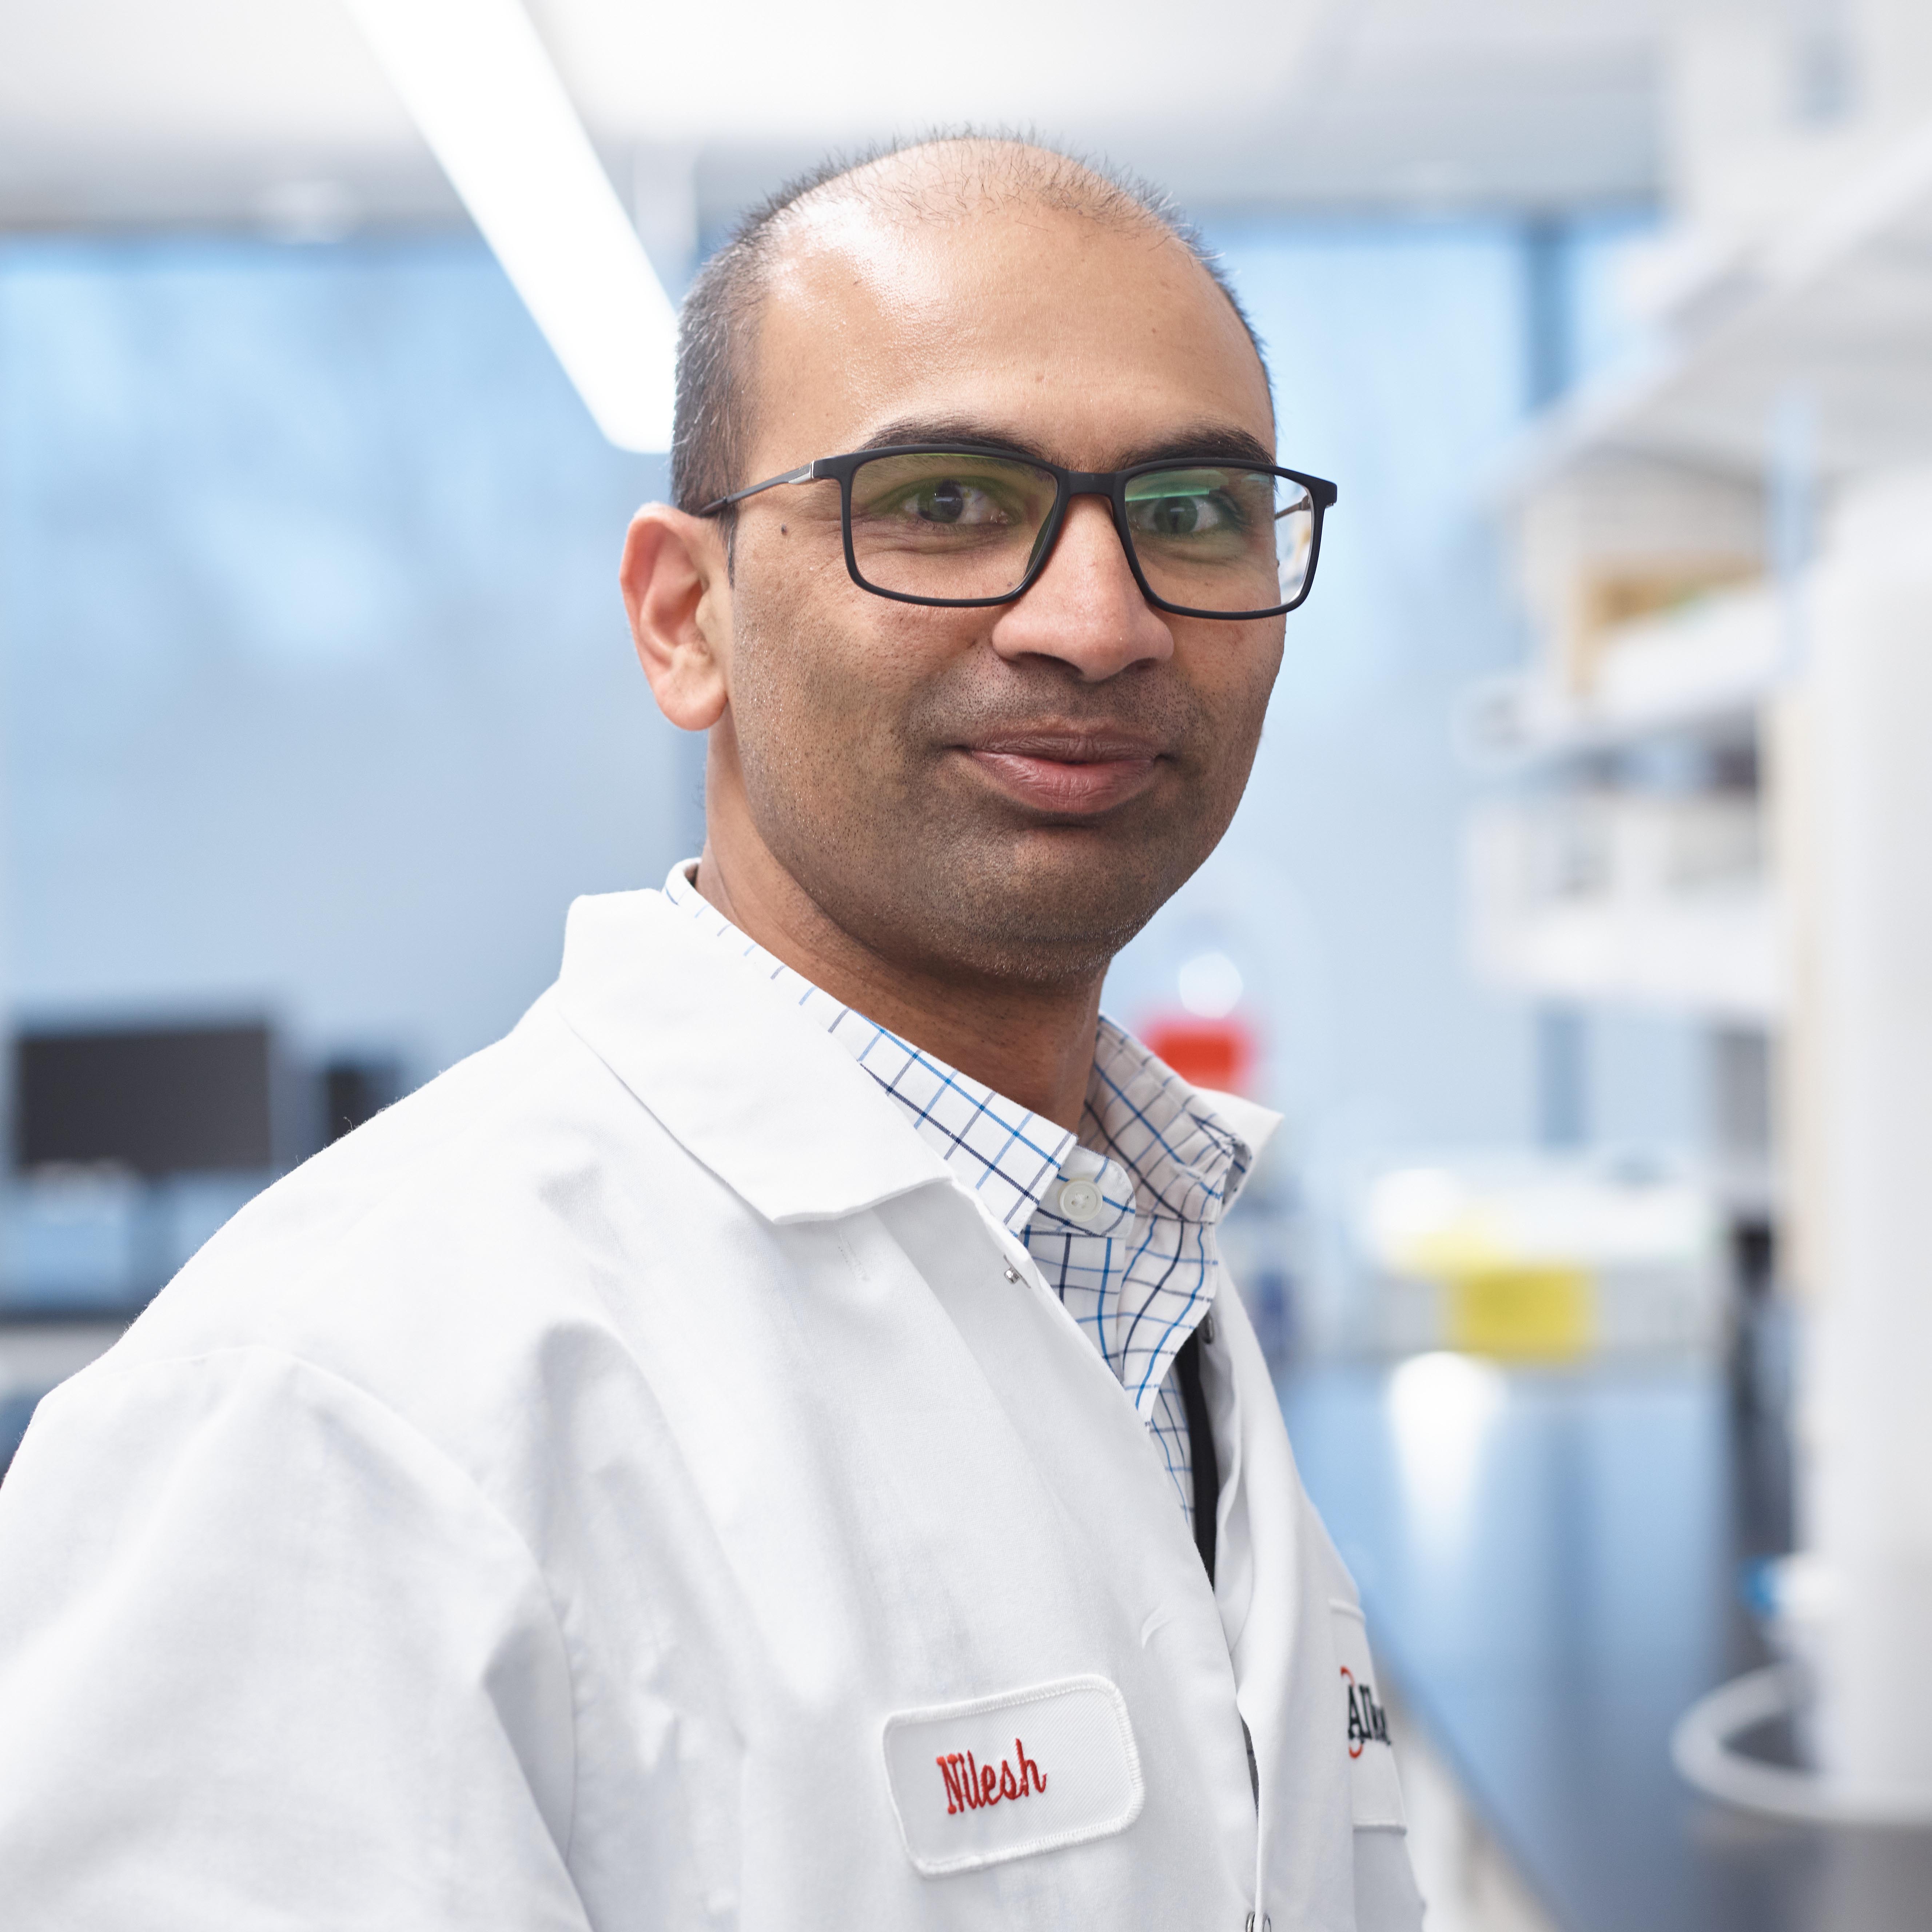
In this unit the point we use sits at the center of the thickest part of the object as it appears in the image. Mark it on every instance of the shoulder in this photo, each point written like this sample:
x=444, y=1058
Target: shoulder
x=438, y=1258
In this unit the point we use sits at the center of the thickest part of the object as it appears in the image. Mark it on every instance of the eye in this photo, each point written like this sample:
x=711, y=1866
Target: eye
x=1197, y=507
x=950, y=500
x=1180, y=516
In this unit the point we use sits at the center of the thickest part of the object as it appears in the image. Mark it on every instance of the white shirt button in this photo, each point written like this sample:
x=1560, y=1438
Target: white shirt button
x=1080, y=1200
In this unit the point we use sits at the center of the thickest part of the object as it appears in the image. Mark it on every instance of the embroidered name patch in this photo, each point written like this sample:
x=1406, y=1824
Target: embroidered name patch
x=1374, y=1789
x=1003, y=1777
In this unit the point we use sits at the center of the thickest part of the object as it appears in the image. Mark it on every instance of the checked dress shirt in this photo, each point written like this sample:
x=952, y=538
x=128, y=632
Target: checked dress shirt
x=1120, y=1219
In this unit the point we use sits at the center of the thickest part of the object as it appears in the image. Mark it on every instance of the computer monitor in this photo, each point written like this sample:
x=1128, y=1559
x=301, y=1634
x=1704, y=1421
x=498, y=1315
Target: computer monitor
x=160, y=1100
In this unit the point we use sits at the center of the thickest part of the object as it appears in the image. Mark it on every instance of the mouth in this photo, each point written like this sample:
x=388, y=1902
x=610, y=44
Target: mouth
x=1068, y=774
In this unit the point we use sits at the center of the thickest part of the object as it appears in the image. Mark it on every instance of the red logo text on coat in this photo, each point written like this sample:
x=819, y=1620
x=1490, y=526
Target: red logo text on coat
x=1368, y=1721
x=971, y=1785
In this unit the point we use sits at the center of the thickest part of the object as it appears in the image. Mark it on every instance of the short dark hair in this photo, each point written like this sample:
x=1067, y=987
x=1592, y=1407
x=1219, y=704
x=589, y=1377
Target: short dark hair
x=717, y=326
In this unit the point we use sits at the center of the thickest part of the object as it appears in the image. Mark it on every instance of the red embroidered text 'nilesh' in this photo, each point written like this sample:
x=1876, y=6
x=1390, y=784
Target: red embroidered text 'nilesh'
x=970, y=1786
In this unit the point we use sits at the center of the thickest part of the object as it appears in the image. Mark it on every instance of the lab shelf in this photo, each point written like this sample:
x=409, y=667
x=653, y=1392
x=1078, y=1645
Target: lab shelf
x=1837, y=306
x=1598, y=894
x=1551, y=1563
x=1721, y=960
x=1786, y=367
x=1705, y=671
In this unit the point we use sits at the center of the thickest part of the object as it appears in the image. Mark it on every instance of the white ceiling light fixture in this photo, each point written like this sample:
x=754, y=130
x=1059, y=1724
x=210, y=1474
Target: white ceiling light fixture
x=480, y=86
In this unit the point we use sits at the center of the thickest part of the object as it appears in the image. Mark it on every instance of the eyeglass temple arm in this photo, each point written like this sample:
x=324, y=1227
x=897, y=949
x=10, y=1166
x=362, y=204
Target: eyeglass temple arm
x=805, y=474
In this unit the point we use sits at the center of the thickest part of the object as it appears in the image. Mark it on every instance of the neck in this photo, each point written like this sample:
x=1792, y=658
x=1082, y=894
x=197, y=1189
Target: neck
x=1032, y=1044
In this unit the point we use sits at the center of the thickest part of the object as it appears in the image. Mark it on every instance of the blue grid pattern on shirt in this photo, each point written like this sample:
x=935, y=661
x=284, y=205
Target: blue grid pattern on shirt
x=1138, y=1276
x=1139, y=1287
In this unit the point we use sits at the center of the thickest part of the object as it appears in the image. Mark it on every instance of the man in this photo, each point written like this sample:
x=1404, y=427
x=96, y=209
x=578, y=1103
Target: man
x=767, y=1444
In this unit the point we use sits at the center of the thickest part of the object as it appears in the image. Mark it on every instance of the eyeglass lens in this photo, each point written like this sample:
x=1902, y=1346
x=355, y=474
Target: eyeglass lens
x=957, y=527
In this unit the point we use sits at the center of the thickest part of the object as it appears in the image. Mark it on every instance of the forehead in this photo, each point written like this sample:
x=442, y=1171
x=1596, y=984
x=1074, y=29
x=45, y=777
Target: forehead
x=1088, y=341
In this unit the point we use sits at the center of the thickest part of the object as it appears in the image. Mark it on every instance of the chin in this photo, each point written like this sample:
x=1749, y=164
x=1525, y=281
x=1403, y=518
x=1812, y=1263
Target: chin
x=1036, y=905
x=1037, y=924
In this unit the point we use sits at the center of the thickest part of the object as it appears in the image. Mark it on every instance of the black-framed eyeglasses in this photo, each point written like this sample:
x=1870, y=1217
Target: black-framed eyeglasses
x=963, y=524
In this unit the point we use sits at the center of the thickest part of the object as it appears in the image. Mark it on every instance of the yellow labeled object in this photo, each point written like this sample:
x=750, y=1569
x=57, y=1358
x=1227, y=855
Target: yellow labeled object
x=1548, y=1314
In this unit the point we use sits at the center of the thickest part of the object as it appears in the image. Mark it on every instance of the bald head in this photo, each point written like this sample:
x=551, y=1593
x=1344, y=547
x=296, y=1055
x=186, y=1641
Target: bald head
x=929, y=184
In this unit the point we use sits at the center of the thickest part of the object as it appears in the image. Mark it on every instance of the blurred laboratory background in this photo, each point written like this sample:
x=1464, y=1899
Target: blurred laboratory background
x=1578, y=920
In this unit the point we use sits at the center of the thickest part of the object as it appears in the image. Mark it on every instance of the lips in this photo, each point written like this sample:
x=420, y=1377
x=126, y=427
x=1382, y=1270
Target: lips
x=1069, y=774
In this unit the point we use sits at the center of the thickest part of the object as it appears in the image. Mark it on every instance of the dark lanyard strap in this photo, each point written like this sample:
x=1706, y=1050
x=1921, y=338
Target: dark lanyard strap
x=1201, y=1445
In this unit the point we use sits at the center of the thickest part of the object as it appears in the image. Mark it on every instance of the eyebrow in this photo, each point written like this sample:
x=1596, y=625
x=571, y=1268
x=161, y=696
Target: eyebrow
x=1218, y=440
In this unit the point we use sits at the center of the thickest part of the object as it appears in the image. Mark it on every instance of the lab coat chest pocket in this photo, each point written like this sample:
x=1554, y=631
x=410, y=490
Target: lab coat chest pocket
x=1375, y=1790
x=1386, y=1898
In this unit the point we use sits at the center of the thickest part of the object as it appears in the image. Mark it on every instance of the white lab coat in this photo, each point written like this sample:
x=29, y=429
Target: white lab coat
x=617, y=1488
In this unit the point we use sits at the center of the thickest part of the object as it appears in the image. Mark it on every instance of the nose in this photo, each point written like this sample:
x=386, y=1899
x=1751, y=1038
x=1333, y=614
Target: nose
x=1085, y=608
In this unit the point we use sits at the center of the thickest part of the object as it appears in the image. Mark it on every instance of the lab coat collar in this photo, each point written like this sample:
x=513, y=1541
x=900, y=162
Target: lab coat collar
x=770, y=1103
x=778, y=1110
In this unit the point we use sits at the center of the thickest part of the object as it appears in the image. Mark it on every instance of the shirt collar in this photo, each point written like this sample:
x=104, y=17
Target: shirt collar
x=1187, y=1155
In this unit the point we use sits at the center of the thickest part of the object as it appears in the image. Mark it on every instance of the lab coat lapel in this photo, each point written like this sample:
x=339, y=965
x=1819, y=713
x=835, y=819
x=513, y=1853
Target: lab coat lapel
x=1278, y=1573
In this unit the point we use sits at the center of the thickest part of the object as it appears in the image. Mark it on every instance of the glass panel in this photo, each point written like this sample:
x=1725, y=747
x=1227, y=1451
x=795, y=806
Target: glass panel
x=1221, y=537
x=948, y=526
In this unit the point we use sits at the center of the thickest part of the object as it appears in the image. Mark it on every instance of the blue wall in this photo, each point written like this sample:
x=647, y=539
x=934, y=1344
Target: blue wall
x=318, y=693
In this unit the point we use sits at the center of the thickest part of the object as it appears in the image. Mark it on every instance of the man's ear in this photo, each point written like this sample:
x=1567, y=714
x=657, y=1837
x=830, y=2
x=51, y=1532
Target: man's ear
x=678, y=595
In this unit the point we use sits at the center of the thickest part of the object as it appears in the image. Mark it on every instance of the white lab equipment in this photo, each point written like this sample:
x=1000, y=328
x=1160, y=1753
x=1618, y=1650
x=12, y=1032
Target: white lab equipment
x=1857, y=1604
x=1868, y=1511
